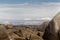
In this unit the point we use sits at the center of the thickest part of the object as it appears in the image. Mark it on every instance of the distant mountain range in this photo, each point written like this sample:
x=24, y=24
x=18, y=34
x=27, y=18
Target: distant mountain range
x=27, y=22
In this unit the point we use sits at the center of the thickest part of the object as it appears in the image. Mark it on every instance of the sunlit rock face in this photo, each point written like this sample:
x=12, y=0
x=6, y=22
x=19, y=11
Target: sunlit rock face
x=9, y=26
x=52, y=32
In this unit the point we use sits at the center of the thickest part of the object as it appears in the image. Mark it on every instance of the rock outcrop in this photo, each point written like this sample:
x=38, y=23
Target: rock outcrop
x=52, y=32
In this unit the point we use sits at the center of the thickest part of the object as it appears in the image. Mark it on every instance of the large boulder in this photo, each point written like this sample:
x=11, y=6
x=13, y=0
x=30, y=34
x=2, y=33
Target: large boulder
x=3, y=33
x=52, y=31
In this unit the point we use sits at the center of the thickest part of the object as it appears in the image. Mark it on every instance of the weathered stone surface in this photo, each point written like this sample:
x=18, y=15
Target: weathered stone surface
x=52, y=31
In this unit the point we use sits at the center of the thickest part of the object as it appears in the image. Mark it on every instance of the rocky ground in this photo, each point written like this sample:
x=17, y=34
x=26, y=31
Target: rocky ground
x=22, y=32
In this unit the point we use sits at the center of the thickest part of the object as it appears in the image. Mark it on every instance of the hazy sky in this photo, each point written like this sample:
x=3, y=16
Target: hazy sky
x=28, y=9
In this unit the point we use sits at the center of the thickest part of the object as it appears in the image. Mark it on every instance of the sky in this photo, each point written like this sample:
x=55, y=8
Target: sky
x=28, y=9
x=28, y=1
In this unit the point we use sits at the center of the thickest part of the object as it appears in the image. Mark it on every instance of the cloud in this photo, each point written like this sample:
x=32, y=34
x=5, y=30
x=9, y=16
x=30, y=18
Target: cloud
x=27, y=18
x=6, y=22
x=46, y=18
x=32, y=11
